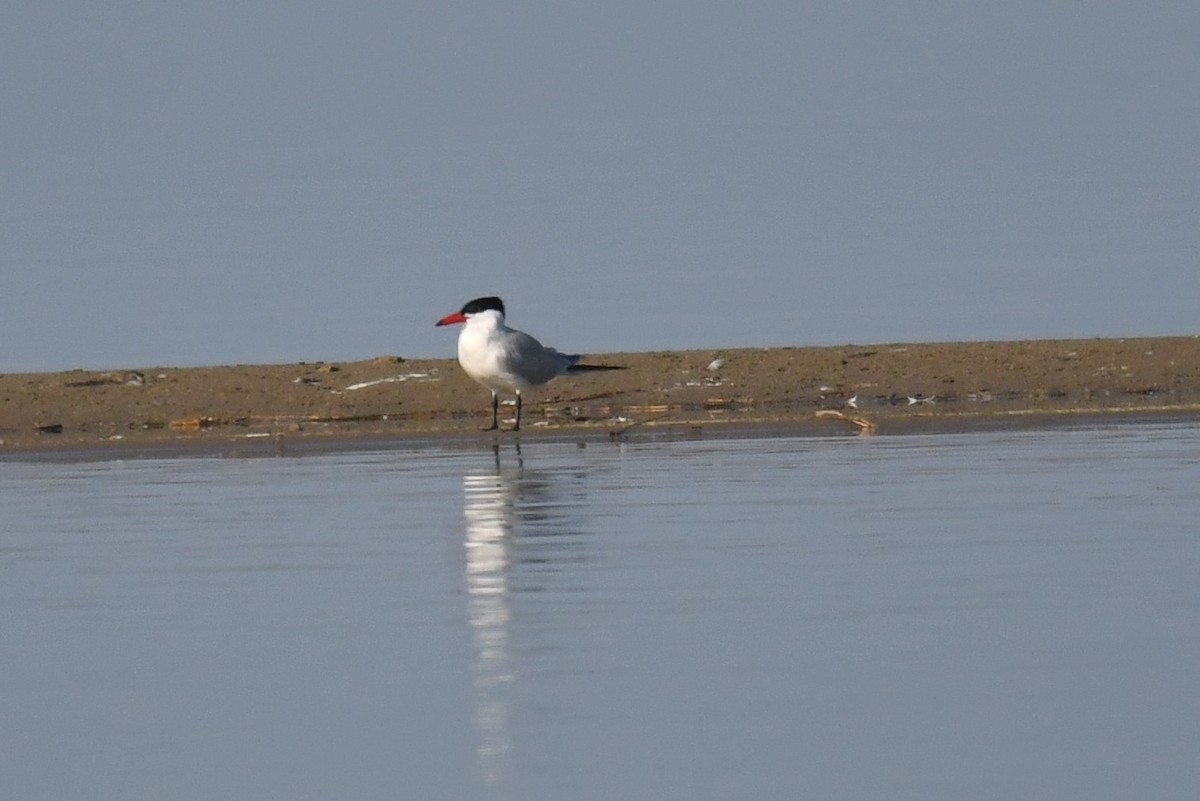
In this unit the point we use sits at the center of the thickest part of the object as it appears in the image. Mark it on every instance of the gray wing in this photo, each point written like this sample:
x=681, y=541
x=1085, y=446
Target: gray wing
x=533, y=361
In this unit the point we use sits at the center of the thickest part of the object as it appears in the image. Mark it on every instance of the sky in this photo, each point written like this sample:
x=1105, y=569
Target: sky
x=252, y=182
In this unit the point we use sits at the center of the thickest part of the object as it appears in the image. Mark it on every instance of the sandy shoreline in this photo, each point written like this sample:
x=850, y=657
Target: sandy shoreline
x=895, y=388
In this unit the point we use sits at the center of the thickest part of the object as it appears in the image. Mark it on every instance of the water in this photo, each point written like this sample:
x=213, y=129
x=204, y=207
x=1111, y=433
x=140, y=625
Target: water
x=1009, y=615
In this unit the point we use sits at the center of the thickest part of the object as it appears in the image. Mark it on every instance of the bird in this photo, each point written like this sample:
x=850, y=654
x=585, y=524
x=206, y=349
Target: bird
x=504, y=359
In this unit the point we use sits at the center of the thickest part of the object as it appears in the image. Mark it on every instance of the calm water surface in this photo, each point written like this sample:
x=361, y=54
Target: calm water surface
x=1002, y=616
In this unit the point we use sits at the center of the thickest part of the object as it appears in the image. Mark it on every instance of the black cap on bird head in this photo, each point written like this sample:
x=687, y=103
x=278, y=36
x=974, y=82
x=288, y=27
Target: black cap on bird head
x=483, y=304
x=473, y=307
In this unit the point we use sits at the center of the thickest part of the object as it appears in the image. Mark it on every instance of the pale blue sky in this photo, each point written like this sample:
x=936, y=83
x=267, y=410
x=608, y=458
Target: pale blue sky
x=256, y=182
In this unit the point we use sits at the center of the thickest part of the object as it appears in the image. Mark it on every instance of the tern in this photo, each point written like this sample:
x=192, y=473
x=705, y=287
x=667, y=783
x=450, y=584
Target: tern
x=504, y=359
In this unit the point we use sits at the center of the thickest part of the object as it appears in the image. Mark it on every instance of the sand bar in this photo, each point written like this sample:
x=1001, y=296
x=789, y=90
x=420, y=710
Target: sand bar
x=838, y=391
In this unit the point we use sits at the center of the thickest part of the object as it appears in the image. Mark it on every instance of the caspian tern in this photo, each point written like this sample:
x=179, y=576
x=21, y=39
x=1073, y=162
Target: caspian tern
x=504, y=359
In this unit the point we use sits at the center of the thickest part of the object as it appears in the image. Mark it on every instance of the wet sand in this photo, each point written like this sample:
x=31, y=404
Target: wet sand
x=842, y=390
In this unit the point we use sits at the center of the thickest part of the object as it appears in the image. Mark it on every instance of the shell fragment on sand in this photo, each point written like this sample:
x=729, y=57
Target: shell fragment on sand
x=430, y=376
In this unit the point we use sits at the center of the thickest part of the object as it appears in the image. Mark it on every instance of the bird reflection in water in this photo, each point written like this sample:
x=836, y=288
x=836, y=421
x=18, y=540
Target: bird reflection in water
x=519, y=532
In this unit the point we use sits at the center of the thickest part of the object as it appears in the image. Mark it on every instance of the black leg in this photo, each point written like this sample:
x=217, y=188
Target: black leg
x=495, y=409
x=517, y=425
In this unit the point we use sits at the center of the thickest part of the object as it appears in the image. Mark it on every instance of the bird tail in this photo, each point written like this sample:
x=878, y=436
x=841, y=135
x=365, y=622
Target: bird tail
x=576, y=367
